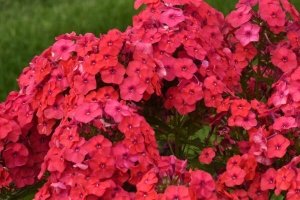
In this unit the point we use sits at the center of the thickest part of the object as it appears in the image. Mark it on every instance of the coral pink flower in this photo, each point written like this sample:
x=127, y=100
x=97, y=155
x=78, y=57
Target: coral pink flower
x=284, y=123
x=103, y=166
x=246, y=122
x=277, y=146
x=87, y=112
x=184, y=68
x=98, y=145
x=132, y=89
x=114, y=74
x=240, y=194
x=273, y=14
x=240, y=16
x=117, y=110
x=148, y=181
x=268, y=180
x=234, y=176
x=285, y=59
x=240, y=107
x=247, y=33
x=202, y=184
x=177, y=192
x=62, y=49
x=284, y=177
x=206, y=156
x=84, y=83
x=191, y=93
x=172, y=17
x=76, y=152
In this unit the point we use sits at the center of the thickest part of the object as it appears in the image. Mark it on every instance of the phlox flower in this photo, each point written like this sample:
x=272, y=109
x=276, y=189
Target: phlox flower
x=5, y=127
x=273, y=14
x=177, y=192
x=15, y=155
x=246, y=122
x=240, y=107
x=87, y=112
x=234, y=176
x=268, y=180
x=117, y=110
x=172, y=17
x=76, y=152
x=206, y=156
x=240, y=16
x=148, y=181
x=103, y=166
x=254, y=192
x=284, y=177
x=293, y=192
x=285, y=59
x=240, y=194
x=284, y=123
x=84, y=83
x=191, y=93
x=184, y=68
x=132, y=89
x=277, y=146
x=62, y=49
x=98, y=145
x=247, y=33
x=202, y=184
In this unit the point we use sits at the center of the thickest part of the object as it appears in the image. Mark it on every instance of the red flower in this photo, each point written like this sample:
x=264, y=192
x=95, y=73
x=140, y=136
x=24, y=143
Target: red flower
x=247, y=33
x=268, y=180
x=202, y=184
x=148, y=181
x=284, y=123
x=191, y=93
x=62, y=49
x=254, y=192
x=177, y=192
x=87, y=112
x=240, y=16
x=284, y=179
x=132, y=89
x=285, y=59
x=293, y=193
x=184, y=68
x=240, y=107
x=277, y=146
x=206, y=156
x=113, y=74
x=15, y=155
x=234, y=176
x=5, y=127
x=214, y=85
x=117, y=110
x=76, y=152
x=273, y=14
x=240, y=194
x=172, y=17
x=84, y=83
x=103, y=166
x=98, y=145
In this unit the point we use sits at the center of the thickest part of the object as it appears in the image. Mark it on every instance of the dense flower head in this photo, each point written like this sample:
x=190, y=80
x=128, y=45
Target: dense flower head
x=184, y=104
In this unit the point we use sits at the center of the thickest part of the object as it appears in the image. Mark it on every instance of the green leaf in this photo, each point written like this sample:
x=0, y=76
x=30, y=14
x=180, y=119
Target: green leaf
x=157, y=122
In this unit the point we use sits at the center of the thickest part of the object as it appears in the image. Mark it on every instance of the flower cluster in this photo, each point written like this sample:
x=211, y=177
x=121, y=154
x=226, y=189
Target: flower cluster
x=185, y=104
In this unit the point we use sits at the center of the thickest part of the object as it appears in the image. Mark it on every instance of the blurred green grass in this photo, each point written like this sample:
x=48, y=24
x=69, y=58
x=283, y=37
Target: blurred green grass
x=27, y=27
